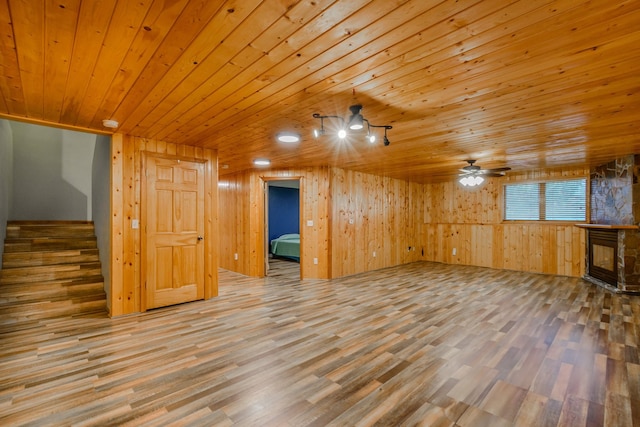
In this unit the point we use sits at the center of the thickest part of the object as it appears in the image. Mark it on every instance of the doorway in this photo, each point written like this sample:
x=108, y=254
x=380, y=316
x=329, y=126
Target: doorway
x=282, y=228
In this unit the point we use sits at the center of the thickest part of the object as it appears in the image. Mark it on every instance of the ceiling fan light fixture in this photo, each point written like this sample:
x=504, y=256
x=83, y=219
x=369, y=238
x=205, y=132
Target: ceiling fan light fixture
x=472, y=174
x=471, y=180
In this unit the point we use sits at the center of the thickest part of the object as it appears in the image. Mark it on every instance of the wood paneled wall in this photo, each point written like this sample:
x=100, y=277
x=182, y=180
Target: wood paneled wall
x=470, y=220
x=376, y=222
x=126, y=177
x=234, y=193
x=356, y=215
x=242, y=220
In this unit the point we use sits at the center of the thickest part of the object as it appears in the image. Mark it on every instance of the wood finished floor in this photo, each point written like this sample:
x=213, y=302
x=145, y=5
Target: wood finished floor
x=421, y=344
x=283, y=268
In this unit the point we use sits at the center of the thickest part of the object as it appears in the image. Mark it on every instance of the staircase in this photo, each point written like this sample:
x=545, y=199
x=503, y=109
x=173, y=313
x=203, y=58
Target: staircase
x=51, y=269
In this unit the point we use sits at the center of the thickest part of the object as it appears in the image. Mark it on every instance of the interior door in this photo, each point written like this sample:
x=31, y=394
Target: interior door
x=173, y=254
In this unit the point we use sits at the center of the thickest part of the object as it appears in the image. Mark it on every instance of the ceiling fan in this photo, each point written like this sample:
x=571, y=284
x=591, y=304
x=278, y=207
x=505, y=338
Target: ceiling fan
x=473, y=169
x=472, y=174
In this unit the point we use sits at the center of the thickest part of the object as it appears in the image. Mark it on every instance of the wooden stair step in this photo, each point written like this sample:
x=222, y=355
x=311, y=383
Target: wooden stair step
x=50, y=269
x=24, y=259
x=48, y=273
x=51, y=289
x=49, y=228
x=48, y=244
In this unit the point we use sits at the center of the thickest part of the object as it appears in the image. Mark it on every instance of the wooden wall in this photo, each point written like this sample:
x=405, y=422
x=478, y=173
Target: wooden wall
x=376, y=222
x=234, y=195
x=242, y=220
x=357, y=214
x=126, y=177
x=470, y=220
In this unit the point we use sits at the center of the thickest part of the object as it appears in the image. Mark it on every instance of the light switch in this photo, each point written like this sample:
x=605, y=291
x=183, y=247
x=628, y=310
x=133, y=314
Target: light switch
x=135, y=223
x=309, y=223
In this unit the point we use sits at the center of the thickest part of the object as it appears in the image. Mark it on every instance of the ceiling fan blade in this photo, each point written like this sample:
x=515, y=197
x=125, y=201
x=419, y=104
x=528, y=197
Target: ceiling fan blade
x=499, y=169
x=493, y=174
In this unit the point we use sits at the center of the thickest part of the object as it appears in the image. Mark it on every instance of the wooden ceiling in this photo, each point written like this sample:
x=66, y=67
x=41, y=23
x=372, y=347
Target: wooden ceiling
x=527, y=84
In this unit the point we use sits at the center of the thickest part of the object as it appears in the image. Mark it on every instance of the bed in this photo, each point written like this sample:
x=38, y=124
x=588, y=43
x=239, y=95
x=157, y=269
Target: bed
x=287, y=246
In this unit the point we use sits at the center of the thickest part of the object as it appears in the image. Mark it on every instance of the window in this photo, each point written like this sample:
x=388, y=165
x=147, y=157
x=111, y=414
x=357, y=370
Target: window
x=546, y=201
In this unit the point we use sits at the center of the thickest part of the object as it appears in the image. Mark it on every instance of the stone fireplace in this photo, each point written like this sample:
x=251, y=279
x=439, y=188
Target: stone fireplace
x=613, y=235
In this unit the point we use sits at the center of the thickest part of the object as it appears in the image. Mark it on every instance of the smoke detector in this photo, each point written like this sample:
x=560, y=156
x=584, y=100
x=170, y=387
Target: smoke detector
x=110, y=123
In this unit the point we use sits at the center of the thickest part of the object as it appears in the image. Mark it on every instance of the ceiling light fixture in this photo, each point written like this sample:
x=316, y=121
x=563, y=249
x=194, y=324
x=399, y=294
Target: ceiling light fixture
x=287, y=136
x=261, y=162
x=471, y=180
x=355, y=122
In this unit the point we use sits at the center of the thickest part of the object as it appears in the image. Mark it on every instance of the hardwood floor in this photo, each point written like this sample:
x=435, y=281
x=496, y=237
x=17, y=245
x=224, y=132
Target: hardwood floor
x=283, y=269
x=422, y=344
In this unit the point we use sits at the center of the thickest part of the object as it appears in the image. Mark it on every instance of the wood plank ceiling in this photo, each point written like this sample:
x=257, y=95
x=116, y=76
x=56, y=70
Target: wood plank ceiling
x=526, y=84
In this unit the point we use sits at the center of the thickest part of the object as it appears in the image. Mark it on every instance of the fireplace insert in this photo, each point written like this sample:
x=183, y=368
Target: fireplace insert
x=603, y=255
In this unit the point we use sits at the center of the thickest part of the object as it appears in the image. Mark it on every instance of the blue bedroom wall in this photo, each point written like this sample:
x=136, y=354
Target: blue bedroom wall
x=284, y=211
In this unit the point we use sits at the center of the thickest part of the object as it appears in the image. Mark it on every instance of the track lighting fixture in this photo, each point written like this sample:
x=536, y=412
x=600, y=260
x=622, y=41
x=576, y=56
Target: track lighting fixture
x=356, y=122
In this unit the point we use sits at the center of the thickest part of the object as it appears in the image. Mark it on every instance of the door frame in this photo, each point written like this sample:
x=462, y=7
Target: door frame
x=264, y=215
x=145, y=155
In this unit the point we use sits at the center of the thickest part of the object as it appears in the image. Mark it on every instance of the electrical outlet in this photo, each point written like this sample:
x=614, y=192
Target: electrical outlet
x=135, y=224
x=315, y=261
x=235, y=256
x=374, y=254
x=454, y=251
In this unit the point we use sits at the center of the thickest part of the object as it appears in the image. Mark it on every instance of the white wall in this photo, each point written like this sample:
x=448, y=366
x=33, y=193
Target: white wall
x=101, y=206
x=51, y=173
x=6, y=178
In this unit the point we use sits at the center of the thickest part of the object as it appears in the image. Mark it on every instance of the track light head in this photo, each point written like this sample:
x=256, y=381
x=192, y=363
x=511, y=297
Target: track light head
x=356, y=121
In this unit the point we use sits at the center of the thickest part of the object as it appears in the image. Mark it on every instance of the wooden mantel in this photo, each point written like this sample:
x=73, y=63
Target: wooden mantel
x=609, y=226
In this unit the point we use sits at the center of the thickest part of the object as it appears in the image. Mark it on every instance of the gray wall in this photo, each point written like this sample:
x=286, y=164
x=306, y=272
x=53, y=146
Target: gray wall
x=101, y=205
x=6, y=178
x=51, y=173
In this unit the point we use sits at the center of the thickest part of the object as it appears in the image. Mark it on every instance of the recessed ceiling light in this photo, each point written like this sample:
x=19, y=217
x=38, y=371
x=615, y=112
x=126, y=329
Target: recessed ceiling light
x=110, y=123
x=288, y=137
x=261, y=162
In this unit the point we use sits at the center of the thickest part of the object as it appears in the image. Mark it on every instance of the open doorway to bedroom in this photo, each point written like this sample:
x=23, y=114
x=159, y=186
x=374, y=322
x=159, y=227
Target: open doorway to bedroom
x=282, y=228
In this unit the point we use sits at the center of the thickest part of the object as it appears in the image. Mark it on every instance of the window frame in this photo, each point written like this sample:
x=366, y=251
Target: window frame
x=543, y=200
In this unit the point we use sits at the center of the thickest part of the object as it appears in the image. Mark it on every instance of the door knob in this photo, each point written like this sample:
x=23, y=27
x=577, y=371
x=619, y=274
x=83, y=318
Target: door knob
x=200, y=238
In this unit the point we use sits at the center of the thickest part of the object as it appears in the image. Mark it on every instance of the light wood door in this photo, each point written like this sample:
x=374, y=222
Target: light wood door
x=174, y=227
